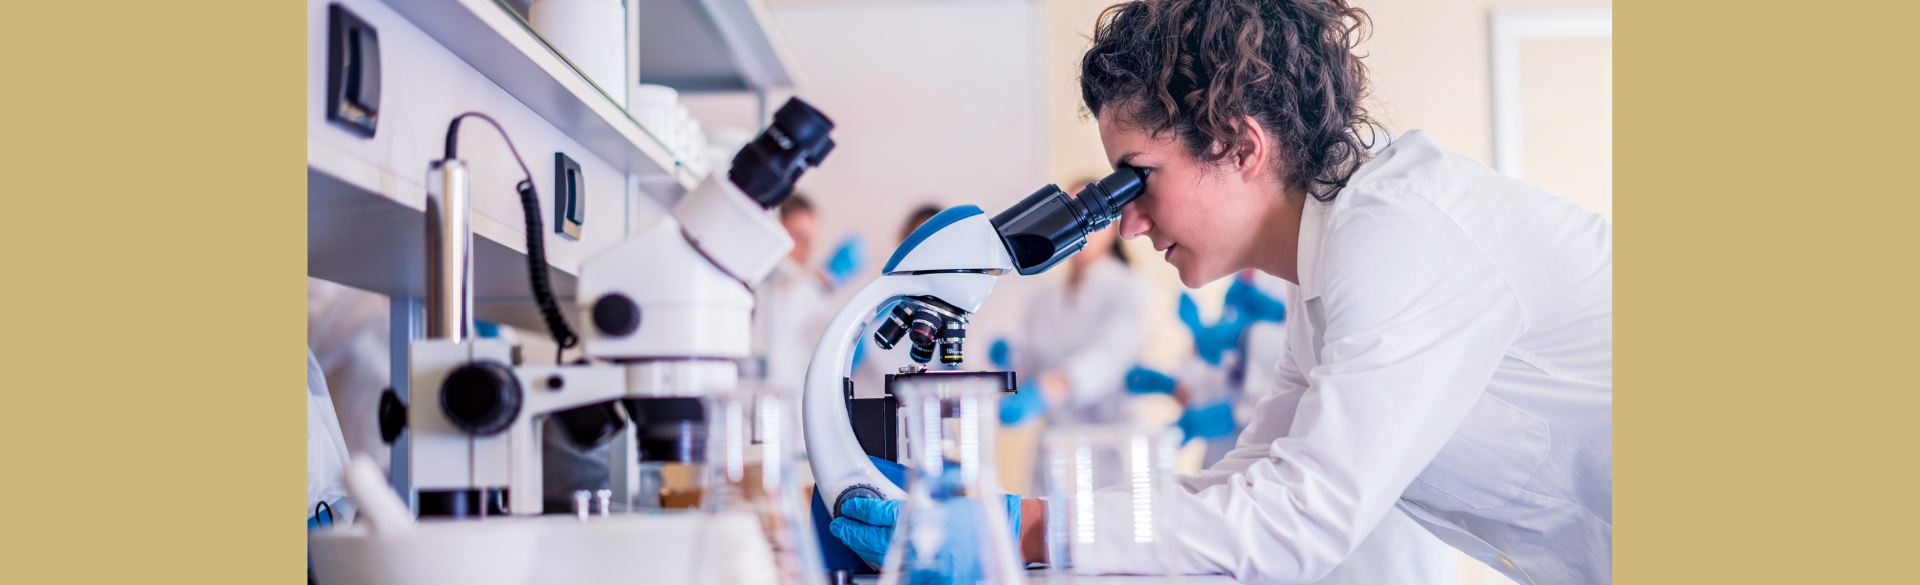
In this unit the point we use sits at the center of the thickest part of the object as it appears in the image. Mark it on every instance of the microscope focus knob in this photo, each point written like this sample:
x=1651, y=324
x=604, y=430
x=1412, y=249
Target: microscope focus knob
x=481, y=398
x=616, y=315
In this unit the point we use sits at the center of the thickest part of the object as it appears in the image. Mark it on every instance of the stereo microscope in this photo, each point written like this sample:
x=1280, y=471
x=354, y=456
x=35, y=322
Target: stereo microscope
x=668, y=311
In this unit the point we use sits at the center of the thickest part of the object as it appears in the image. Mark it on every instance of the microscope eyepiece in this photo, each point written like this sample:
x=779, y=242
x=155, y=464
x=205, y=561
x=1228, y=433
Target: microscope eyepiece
x=767, y=167
x=1050, y=225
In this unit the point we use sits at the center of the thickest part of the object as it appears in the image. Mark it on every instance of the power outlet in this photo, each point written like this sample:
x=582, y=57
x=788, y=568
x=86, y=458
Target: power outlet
x=353, y=72
x=569, y=197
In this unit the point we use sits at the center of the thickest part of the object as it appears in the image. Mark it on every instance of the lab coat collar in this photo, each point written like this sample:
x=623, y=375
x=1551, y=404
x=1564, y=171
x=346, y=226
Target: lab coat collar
x=1313, y=221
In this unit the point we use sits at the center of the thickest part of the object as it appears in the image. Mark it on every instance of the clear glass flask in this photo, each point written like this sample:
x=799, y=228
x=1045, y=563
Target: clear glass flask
x=751, y=495
x=1107, y=499
x=954, y=527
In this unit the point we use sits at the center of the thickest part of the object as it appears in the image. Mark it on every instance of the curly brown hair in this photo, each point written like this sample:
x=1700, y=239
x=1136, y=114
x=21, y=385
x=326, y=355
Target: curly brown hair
x=1199, y=68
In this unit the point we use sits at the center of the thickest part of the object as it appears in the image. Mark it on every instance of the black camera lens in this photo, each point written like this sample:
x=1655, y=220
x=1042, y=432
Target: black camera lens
x=767, y=167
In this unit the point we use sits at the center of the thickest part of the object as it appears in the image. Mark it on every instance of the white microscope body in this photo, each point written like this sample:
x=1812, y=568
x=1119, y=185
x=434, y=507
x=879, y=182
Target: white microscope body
x=669, y=315
x=945, y=270
x=955, y=257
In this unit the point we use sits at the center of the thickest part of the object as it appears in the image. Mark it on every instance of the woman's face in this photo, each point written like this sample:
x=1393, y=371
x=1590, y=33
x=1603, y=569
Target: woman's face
x=1205, y=219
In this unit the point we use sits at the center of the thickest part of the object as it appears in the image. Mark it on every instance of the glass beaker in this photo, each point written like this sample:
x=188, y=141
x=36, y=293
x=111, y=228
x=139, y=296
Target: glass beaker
x=749, y=488
x=954, y=527
x=1107, y=504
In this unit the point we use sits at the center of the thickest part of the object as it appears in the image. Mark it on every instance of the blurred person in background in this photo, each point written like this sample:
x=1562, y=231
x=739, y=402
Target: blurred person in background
x=1081, y=334
x=795, y=302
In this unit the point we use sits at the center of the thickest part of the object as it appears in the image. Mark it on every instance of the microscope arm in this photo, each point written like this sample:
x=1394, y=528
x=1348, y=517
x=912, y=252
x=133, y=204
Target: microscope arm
x=838, y=462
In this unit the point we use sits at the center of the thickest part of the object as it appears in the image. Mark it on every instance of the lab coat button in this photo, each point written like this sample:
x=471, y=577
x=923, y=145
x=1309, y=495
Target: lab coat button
x=1507, y=563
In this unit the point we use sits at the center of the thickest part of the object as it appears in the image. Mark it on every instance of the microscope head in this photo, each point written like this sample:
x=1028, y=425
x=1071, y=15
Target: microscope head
x=681, y=288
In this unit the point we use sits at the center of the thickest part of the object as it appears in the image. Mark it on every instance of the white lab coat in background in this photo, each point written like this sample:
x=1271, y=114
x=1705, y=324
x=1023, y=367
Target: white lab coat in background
x=347, y=331
x=1092, y=334
x=1451, y=354
x=326, y=450
x=791, y=309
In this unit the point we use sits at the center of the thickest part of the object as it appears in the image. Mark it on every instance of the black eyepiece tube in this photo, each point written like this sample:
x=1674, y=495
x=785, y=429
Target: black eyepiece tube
x=1050, y=225
x=767, y=167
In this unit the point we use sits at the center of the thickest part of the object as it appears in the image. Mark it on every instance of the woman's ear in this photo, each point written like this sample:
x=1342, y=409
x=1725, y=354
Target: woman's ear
x=1252, y=149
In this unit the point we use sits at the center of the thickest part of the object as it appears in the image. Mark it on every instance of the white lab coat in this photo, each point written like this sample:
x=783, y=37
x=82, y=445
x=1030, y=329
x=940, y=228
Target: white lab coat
x=1091, y=334
x=791, y=309
x=1451, y=354
x=326, y=449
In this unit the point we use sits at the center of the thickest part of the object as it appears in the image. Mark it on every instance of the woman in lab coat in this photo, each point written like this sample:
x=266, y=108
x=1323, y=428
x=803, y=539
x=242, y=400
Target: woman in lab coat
x=1449, y=328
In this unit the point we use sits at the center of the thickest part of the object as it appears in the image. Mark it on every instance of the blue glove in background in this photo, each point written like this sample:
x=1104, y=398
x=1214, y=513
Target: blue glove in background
x=1144, y=381
x=1001, y=353
x=1208, y=422
x=1249, y=305
x=1210, y=342
x=867, y=526
x=1024, y=404
x=485, y=329
x=847, y=260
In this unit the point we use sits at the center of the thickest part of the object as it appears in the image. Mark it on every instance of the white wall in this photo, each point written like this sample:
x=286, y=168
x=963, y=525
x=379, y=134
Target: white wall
x=934, y=102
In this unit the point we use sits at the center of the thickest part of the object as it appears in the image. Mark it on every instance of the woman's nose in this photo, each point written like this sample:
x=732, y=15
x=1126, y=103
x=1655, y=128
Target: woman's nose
x=1133, y=223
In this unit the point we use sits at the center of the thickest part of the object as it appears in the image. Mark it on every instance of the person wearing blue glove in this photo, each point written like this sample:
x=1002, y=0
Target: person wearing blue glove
x=793, y=304
x=1081, y=335
x=867, y=526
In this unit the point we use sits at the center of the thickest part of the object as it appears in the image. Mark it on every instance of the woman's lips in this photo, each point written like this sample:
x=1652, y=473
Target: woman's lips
x=1168, y=255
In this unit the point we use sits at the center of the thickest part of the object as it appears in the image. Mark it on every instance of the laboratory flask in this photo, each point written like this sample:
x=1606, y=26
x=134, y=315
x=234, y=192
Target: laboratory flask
x=954, y=527
x=750, y=480
x=1107, y=497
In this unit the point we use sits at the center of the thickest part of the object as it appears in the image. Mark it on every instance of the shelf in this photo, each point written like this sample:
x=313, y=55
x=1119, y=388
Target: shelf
x=498, y=44
x=711, y=45
x=368, y=241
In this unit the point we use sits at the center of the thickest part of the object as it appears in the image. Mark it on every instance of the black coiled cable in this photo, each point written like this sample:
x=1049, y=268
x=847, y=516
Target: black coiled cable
x=536, y=244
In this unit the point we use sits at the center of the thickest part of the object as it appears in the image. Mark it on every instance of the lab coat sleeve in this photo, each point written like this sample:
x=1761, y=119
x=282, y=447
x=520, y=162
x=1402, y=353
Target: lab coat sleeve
x=1412, y=321
x=1097, y=370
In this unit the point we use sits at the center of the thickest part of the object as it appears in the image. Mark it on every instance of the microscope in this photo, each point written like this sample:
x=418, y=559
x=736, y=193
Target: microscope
x=667, y=311
x=942, y=273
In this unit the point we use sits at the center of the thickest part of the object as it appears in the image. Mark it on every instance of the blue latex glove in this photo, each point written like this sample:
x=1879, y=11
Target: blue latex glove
x=1210, y=342
x=867, y=524
x=1208, y=422
x=1026, y=403
x=1144, y=381
x=1001, y=354
x=847, y=260
x=485, y=329
x=1249, y=305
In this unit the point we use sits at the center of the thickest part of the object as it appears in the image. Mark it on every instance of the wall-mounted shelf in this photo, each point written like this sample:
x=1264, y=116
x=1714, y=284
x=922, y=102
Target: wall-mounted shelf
x=712, y=45
x=498, y=44
x=368, y=241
